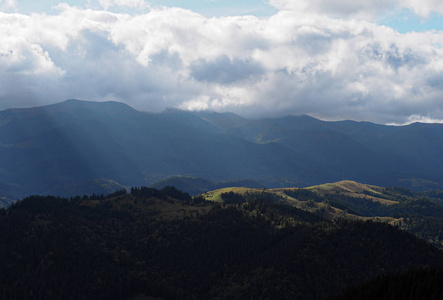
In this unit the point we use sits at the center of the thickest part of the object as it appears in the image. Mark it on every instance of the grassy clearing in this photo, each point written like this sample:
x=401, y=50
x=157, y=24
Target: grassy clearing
x=215, y=196
x=346, y=188
x=353, y=189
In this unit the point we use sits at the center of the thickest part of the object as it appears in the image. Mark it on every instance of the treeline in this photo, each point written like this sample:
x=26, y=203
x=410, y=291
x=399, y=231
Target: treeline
x=427, y=228
x=304, y=195
x=270, y=207
x=167, y=193
x=101, y=196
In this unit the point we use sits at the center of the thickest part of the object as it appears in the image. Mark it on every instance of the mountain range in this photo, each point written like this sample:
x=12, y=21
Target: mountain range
x=76, y=147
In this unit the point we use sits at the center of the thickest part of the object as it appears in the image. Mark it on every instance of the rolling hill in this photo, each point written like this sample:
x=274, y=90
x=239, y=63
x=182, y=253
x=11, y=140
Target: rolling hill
x=420, y=213
x=165, y=244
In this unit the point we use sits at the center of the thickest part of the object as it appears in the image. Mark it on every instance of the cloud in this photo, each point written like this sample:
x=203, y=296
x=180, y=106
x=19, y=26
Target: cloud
x=8, y=5
x=122, y=3
x=224, y=70
x=423, y=8
x=290, y=63
x=336, y=8
x=358, y=8
x=20, y=53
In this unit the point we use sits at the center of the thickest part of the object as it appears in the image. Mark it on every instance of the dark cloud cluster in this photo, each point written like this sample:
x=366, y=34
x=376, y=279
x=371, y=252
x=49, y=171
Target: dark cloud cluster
x=224, y=70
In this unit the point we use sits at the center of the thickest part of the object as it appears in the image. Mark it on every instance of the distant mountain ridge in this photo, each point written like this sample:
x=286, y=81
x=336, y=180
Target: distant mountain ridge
x=362, y=151
x=77, y=147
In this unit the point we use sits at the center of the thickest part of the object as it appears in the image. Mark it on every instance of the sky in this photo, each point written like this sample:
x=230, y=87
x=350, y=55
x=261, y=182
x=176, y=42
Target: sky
x=379, y=61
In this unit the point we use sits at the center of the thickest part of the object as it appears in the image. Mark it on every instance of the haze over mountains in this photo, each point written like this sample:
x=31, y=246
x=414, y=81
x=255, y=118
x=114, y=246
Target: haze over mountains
x=77, y=147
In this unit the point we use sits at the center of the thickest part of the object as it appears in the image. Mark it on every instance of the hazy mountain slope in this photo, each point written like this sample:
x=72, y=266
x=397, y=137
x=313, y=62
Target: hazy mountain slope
x=413, y=147
x=67, y=142
x=66, y=148
x=362, y=151
x=62, y=144
x=257, y=131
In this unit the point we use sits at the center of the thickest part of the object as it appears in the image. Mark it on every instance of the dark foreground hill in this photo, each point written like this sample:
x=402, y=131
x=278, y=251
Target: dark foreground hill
x=77, y=147
x=413, y=284
x=169, y=245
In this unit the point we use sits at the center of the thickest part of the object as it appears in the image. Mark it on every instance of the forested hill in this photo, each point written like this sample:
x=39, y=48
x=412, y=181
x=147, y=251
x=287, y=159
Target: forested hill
x=78, y=147
x=167, y=244
x=420, y=213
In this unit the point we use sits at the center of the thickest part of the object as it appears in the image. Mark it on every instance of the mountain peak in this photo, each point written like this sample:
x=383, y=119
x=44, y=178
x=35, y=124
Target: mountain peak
x=75, y=105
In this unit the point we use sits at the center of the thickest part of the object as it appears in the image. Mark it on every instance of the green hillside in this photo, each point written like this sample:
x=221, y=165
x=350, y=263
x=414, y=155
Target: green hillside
x=420, y=213
x=165, y=244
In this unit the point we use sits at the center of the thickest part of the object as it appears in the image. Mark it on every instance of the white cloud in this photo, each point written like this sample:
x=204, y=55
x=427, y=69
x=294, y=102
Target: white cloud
x=358, y=8
x=19, y=52
x=122, y=3
x=337, y=8
x=289, y=63
x=423, y=8
x=8, y=5
x=418, y=119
